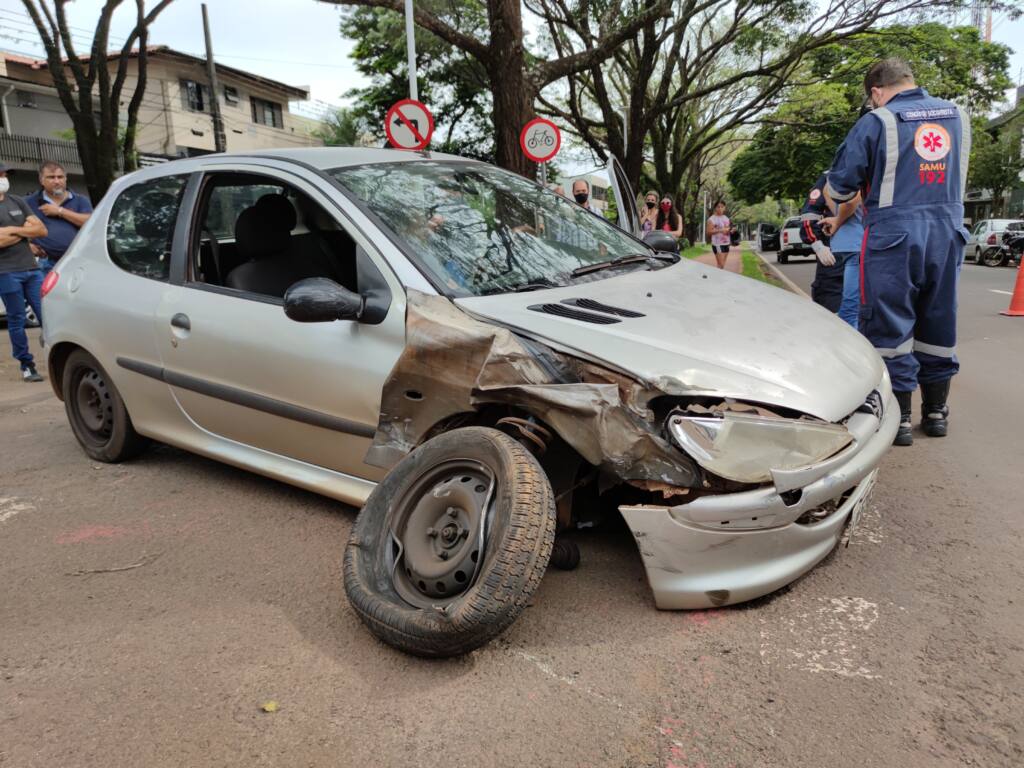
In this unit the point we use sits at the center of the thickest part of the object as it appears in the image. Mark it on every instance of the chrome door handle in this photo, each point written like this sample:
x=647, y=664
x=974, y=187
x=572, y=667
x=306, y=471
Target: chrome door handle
x=181, y=321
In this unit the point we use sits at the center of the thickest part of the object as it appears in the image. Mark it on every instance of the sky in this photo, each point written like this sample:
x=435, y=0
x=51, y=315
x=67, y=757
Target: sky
x=294, y=41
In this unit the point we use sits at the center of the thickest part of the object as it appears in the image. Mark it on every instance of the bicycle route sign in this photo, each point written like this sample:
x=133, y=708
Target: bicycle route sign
x=540, y=140
x=409, y=125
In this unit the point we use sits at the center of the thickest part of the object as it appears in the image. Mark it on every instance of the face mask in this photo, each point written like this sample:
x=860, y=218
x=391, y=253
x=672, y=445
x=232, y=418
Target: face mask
x=5, y=184
x=651, y=204
x=581, y=197
x=666, y=207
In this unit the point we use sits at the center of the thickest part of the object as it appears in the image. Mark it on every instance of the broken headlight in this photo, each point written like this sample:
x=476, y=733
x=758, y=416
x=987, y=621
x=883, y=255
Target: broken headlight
x=746, y=447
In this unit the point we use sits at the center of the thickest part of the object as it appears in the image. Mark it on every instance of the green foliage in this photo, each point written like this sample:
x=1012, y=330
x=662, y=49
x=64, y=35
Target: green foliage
x=341, y=128
x=996, y=163
x=451, y=83
x=798, y=141
x=769, y=211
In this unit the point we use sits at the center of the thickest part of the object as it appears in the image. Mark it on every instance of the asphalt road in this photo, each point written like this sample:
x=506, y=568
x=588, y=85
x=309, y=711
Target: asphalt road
x=148, y=611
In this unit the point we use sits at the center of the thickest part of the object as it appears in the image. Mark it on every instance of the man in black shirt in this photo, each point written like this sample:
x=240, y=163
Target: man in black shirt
x=20, y=277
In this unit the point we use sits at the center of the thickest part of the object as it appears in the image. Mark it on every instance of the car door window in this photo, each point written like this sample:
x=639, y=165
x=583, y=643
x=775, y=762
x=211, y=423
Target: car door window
x=260, y=236
x=141, y=226
x=980, y=228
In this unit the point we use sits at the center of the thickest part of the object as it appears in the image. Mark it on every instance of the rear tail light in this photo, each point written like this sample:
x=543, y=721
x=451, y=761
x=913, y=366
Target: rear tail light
x=49, y=281
x=785, y=237
x=992, y=239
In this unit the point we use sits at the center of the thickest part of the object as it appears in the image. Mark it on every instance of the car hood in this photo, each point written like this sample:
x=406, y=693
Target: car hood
x=706, y=332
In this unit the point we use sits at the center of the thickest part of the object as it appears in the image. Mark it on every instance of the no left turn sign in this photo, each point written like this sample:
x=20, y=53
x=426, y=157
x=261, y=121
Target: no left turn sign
x=540, y=140
x=409, y=125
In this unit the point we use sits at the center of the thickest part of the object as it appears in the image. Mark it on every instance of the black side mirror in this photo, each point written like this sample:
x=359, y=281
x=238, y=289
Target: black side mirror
x=661, y=241
x=321, y=300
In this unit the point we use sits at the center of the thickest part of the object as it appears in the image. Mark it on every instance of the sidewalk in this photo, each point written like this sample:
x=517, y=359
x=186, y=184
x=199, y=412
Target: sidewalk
x=733, y=264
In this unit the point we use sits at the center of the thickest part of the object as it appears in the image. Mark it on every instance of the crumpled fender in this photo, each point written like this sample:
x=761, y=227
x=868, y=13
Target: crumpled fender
x=453, y=363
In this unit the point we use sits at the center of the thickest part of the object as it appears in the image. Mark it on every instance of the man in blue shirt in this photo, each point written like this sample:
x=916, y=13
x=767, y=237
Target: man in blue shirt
x=20, y=278
x=62, y=211
x=908, y=160
x=846, y=227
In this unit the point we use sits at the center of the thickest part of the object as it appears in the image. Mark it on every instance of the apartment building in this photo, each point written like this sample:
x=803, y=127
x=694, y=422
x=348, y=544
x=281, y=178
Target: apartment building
x=175, y=117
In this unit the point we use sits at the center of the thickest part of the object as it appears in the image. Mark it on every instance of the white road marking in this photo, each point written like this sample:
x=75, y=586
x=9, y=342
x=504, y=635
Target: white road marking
x=996, y=290
x=9, y=507
x=822, y=640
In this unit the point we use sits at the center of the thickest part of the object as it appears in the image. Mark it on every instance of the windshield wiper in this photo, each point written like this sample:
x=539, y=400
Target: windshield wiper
x=534, y=284
x=632, y=258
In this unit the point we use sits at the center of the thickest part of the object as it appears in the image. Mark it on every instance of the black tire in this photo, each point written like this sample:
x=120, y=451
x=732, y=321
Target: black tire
x=517, y=548
x=96, y=411
x=993, y=257
x=782, y=258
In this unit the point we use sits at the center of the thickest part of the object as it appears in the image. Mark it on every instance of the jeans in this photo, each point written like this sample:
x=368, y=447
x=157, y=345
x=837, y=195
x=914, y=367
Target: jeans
x=849, y=309
x=46, y=265
x=16, y=288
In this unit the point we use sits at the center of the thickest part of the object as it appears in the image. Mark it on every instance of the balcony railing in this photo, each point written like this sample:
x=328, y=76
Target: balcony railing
x=33, y=150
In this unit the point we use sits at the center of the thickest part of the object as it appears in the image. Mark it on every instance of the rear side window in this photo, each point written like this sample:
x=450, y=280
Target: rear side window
x=141, y=226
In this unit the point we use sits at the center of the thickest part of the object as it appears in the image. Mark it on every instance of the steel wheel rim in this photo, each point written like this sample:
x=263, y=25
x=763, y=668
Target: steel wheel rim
x=438, y=532
x=93, y=407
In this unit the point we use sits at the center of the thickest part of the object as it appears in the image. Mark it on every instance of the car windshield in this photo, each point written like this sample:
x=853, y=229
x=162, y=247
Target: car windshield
x=477, y=229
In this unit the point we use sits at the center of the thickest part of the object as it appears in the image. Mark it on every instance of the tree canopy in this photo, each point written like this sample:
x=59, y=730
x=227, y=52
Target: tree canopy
x=797, y=141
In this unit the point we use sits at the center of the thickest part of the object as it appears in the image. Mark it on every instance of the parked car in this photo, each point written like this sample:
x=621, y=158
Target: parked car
x=766, y=238
x=1008, y=249
x=792, y=244
x=985, y=234
x=476, y=362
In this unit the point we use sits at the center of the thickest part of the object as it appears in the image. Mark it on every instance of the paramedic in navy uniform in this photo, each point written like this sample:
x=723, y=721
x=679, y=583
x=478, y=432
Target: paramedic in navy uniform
x=908, y=158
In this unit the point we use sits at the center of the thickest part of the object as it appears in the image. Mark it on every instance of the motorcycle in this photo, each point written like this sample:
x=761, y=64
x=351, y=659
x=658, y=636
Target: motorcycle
x=1008, y=252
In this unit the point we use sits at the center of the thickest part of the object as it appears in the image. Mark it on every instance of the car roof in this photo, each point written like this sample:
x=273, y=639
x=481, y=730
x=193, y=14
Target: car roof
x=794, y=222
x=338, y=157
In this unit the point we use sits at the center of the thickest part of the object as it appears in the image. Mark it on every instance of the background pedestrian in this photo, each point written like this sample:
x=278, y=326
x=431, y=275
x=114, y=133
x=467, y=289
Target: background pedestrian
x=719, y=227
x=62, y=211
x=20, y=277
x=649, y=212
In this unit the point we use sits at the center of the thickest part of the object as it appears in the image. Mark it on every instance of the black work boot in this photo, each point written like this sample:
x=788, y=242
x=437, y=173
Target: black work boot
x=934, y=411
x=904, y=435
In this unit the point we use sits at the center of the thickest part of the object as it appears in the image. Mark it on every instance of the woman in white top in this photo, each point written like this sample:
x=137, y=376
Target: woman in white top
x=719, y=227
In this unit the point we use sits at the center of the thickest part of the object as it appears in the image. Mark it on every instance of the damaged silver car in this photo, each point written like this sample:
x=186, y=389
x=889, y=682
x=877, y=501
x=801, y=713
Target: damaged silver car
x=477, y=362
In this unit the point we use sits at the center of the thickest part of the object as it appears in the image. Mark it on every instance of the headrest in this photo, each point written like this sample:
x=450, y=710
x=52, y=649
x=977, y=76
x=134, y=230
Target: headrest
x=278, y=208
x=258, y=235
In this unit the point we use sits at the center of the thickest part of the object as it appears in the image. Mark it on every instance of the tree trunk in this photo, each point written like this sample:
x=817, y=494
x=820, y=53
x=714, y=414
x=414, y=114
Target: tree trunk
x=513, y=92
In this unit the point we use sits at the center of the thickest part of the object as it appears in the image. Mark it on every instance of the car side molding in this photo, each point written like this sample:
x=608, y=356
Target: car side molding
x=247, y=399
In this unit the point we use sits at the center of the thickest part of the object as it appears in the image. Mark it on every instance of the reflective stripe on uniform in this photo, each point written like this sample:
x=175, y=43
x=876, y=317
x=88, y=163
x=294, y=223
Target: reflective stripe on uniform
x=887, y=189
x=903, y=349
x=935, y=350
x=965, y=148
x=838, y=197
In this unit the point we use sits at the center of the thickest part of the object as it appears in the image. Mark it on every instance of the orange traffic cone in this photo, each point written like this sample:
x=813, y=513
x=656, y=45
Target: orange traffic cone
x=1017, y=301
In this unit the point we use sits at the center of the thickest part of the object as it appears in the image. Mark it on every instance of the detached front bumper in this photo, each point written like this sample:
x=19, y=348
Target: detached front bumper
x=725, y=549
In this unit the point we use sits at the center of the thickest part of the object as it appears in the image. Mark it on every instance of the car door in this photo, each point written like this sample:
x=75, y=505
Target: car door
x=625, y=198
x=241, y=369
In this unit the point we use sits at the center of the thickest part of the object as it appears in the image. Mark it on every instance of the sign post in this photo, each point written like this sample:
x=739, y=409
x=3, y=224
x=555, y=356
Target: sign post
x=540, y=141
x=410, y=45
x=409, y=125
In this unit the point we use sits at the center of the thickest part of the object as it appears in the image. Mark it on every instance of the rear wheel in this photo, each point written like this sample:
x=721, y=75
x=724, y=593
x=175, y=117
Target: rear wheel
x=993, y=257
x=782, y=258
x=96, y=412
x=449, y=548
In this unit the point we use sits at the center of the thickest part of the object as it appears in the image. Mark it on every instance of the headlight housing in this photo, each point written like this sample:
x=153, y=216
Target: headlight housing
x=746, y=447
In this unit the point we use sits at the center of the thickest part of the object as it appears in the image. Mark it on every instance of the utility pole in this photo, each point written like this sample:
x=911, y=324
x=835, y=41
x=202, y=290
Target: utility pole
x=220, y=141
x=410, y=44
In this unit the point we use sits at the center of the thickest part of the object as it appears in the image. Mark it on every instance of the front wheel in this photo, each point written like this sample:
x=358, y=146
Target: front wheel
x=450, y=546
x=96, y=411
x=993, y=257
